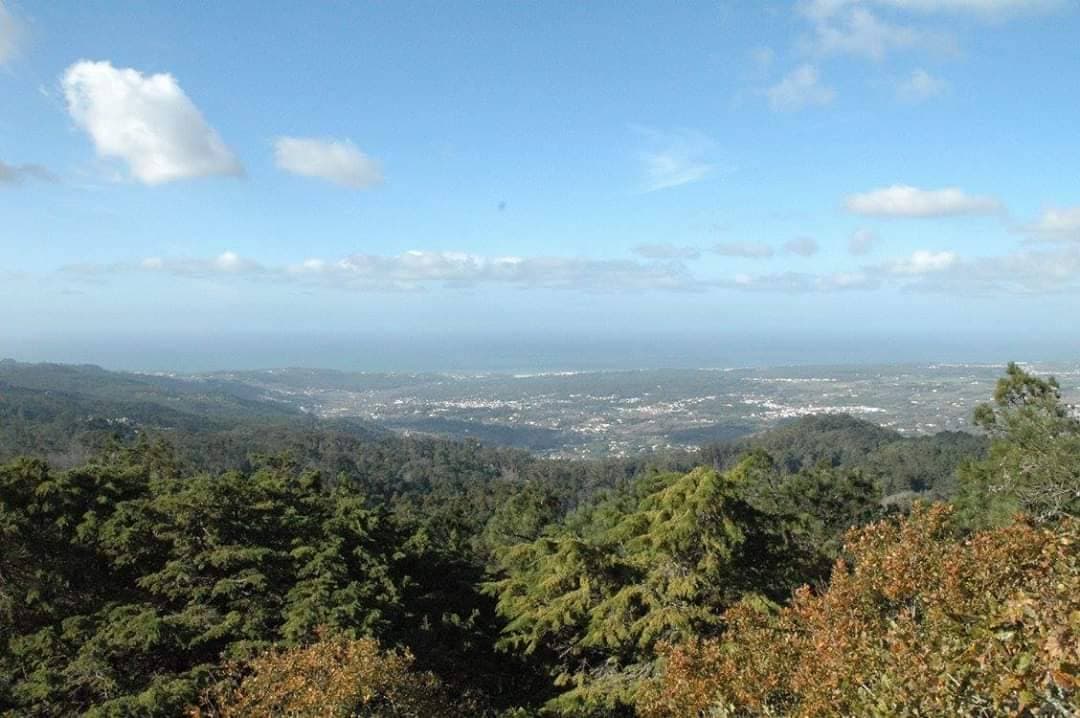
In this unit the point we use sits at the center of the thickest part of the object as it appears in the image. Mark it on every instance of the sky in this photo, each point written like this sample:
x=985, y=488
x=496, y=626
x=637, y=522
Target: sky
x=870, y=167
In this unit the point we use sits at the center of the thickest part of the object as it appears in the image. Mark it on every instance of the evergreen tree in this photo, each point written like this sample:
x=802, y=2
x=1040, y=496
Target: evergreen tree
x=1034, y=462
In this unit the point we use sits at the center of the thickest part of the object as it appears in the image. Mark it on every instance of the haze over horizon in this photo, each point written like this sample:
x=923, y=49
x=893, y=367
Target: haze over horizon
x=522, y=352
x=876, y=171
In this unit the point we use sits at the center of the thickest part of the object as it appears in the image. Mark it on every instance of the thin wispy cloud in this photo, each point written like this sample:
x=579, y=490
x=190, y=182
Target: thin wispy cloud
x=801, y=88
x=11, y=35
x=11, y=175
x=862, y=241
x=988, y=9
x=748, y=250
x=913, y=202
x=854, y=27
x=418, y=270
x=666, y=251
x=1055, y=224
x=920, y=86
x=147, y=121
x=849, y=28
x=674, y=158
x=802, y=246
x=801, y=282
x=336, y=161
x=874, y=29
x=1023, y=272
x=940, y=271
x=762, y=58
x=921, y=262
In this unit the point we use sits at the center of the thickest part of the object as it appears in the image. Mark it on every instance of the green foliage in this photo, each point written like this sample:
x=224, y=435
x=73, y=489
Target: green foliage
x=1034, y=462
x=521, y=517
x=923, y=465
x=156, y=573
x=124, y=584
x=833, y=439
x=658, y=562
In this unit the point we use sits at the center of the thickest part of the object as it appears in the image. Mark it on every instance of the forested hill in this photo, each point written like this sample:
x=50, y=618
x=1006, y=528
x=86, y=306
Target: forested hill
x=255, y=567
x=203, y=396
x=66, y=414
x=918, y=464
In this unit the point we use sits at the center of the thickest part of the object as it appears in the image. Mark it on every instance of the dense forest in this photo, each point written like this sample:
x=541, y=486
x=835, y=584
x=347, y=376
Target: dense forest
x=172, y=550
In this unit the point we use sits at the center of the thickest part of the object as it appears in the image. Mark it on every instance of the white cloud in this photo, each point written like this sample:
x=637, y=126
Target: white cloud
x=1055, y=224
x=11, y=33
x=414, y=269
x=801, y=282
x=147, y=121
x=1026, y=272
x=800, y=88
x=921, y=86
x=675, y=158
x=666, y=251
x=225, y=263
x=802, y=246
x=750, y=250
x=862, y=241
x=921, y=262
x=15, y=174
x=944, y=272
x=418, y=270
x=337, y=161
x=908, y=201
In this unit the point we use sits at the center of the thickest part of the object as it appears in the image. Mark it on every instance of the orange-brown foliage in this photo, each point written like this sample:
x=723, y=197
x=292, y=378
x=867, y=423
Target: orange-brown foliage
x=333, y=677
x=922, y=623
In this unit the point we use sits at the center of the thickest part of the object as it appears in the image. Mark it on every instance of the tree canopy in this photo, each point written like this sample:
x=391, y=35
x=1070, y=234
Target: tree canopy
x=356, y=574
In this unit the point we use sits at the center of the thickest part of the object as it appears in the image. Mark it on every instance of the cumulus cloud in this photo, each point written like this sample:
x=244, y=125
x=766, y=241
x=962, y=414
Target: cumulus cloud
x=418, y=270
x=749, y=250
x=674, y=158
x=908, y=201
x=1055, y=224
x=666, y=251
x=337, y=161
x=862, y=241
x=10, y=35
x=802, y=246
x=15, y=174
x=147, y=121
x=920, y=86
x=800, y=88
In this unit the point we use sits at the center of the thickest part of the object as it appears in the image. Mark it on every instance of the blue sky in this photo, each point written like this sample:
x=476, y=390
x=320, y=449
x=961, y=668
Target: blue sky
x=852, y=165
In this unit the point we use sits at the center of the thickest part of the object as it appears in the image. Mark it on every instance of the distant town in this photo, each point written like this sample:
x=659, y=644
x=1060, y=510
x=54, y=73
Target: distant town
x=622, y=413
